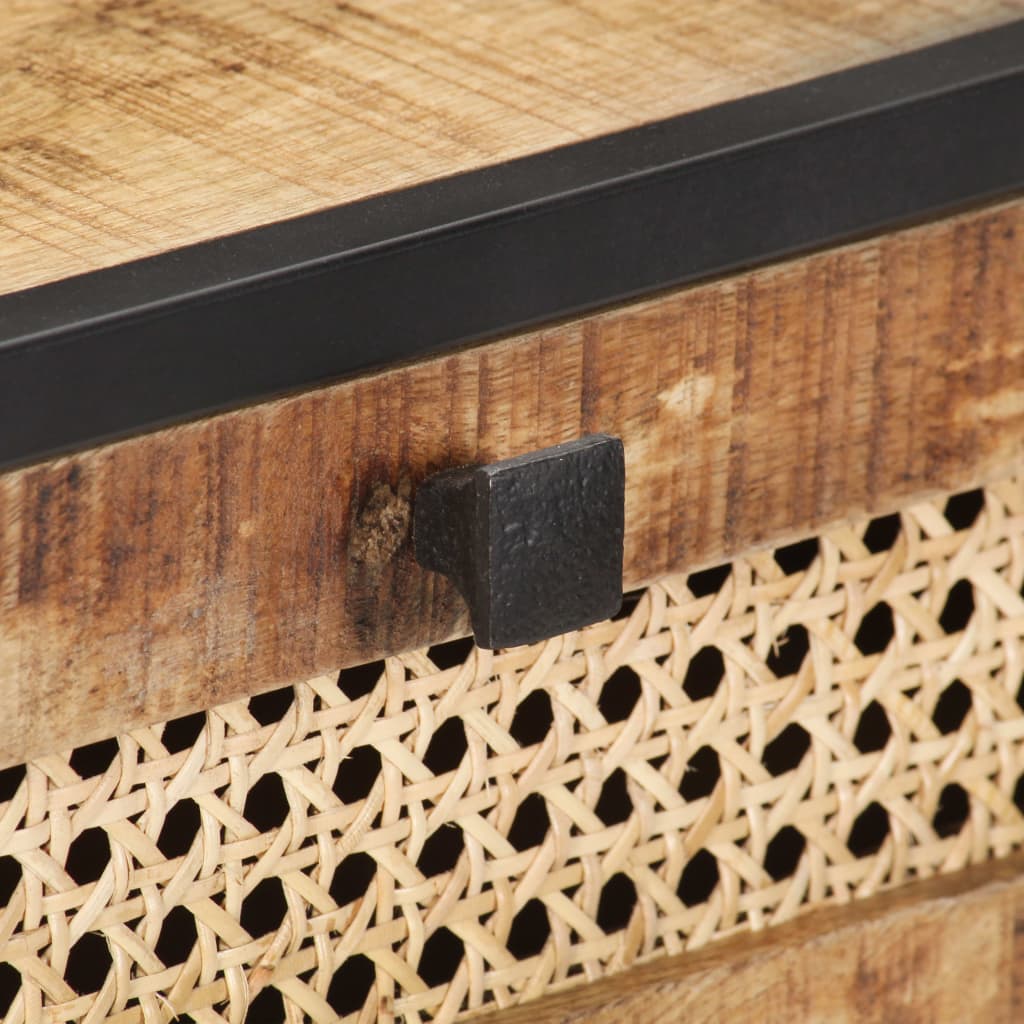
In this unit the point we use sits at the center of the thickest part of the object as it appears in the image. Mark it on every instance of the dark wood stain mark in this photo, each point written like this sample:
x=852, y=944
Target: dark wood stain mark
x=739, y=494
x=1015, y=945
x=381, y=527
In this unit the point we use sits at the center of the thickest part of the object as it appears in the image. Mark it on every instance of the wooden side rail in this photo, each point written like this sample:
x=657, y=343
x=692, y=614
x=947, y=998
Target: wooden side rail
x=949, y=950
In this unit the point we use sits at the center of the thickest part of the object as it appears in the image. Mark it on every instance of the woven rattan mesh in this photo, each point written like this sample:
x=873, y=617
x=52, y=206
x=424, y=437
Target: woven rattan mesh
x=454, y=830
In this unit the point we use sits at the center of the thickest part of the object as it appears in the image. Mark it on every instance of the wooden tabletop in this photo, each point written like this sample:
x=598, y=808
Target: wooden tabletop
x=130, y=128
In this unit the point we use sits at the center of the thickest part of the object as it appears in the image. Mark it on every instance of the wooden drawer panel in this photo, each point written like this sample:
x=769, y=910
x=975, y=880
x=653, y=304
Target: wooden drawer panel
x=156, y=576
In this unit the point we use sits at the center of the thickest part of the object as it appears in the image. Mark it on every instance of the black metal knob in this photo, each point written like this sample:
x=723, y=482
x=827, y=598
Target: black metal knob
x=533, y=543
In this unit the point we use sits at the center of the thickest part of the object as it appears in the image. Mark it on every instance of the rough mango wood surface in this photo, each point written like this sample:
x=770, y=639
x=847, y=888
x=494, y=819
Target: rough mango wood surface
x=129, y=127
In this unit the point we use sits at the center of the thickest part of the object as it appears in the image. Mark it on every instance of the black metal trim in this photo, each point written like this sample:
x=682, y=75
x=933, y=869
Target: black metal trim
x=306, y=301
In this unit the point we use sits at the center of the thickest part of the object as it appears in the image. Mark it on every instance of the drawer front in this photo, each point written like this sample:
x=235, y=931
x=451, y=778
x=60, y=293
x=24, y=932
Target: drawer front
x=451, y=829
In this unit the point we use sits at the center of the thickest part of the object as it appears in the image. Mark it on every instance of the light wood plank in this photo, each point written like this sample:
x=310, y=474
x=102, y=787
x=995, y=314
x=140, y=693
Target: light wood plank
x=943, y=951
x=128, y=128
x=174, y=571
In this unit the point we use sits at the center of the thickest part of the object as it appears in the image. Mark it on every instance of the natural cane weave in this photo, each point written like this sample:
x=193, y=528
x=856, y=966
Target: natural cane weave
x=799, y=728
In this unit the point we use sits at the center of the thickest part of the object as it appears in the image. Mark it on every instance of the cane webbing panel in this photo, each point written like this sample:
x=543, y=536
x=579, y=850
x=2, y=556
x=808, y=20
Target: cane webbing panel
x=454, y=830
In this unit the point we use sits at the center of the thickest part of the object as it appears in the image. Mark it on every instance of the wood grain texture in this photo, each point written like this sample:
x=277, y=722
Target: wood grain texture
x=174, y=571
x=128, y=128
x=942, y=951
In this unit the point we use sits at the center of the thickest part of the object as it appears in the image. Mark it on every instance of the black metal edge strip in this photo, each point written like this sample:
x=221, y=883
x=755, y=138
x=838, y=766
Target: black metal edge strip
x=309, y=300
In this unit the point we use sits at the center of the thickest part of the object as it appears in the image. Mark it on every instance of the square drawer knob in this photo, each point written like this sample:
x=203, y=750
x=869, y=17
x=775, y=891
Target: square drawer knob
x=533, y=543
